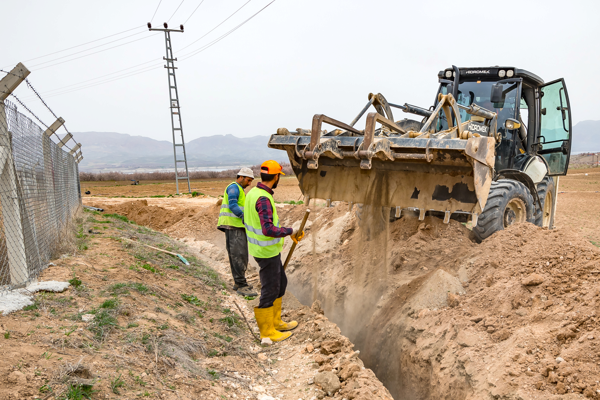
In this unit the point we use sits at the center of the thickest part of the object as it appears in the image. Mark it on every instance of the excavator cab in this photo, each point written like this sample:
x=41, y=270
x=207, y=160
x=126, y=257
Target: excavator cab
x=486, y=150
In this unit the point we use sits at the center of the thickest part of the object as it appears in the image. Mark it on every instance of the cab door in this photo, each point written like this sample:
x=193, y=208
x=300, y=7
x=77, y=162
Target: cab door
x=555, y=127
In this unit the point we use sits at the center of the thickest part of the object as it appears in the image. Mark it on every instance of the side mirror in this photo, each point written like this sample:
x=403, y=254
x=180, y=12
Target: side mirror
x=511, y=124
x=496, y=95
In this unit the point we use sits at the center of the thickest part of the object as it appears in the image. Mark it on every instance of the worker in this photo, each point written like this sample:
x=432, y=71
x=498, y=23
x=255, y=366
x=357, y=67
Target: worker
x=265, y=241
x=231, y=222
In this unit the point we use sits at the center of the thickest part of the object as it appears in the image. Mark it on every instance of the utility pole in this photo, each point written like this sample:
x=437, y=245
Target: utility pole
x=177, y=128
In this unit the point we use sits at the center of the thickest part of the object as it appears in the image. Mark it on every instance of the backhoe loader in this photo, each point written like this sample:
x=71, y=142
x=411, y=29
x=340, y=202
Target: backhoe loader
x=489, y=150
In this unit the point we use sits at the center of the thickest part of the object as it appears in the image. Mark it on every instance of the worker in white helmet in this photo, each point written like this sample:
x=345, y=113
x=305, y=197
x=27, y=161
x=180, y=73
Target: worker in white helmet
x=231, y=222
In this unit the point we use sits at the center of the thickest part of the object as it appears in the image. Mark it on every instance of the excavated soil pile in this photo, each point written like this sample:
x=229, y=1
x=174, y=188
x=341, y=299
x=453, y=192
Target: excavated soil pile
x=199, y=223
x=437, y=316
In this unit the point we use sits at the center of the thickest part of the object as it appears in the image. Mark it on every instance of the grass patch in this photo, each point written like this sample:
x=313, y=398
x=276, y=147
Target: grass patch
x=595, y=243
x=78, y=392
x=149, y=267
x=75, y=282
x=116, y=383
x=226, y=338
x=193, y=300
x=119, y=217
x=103, y=323
x=110, y=304
x=123, y=288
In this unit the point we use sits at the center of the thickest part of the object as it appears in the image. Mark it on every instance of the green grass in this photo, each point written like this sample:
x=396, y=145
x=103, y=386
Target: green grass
x=75, y=282
x=78, y=392
x=158, y=195
x=123, y=288
x=6, y=335
x=149, y=267
x=173, y=266
x=226, y=338
x=103, y=322
x=119, y=217
x=214, y=374
x=595, y=243
x=116, y=383
x=110, y=304
x=193, y=300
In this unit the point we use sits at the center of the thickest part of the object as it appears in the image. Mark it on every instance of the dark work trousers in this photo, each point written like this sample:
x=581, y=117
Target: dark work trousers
x=237, y=248
x=272, y=279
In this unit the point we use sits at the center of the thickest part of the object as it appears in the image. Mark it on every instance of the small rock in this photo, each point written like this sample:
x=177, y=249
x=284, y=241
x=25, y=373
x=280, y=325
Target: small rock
x=310, y=348
x=265, y=397
x=262, y=357
x=560, y=388
x=588, y=392
x=316, y=307
x=477, y=319
x=423, y=313
x=87, y=317
x=559, y=360
x=328, y=381
x=539, y=384
x=348, y=371
x=331, y=347
x=259, y=389
x=453, y=300
x=17, y=377
x=266, y=341
x=319, y=359
x=521, y=312
x=533, y=280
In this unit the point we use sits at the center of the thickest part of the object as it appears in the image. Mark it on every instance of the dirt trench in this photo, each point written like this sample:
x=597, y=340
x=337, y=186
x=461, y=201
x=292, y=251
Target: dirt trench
x=437, y=316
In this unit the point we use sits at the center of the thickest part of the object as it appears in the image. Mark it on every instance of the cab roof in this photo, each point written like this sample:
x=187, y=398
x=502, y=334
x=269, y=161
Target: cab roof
x=493, y=73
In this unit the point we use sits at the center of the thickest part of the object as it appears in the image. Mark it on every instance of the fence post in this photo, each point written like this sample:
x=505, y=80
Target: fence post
x=11, y=213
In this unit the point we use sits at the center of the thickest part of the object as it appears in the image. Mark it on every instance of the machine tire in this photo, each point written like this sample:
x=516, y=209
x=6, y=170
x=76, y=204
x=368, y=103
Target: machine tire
x=545, y=189
x=509, y=202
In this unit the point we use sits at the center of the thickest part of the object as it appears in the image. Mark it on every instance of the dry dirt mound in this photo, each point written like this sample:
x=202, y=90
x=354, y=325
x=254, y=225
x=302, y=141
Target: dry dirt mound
x=195, y=222
x=439, y=316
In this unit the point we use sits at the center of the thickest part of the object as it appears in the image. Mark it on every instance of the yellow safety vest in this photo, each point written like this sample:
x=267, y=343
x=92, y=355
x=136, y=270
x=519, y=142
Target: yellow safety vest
x=259, y=245
x=226, y=216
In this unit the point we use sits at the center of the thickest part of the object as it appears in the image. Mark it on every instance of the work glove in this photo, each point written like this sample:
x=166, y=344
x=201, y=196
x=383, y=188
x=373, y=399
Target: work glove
x=297, y=236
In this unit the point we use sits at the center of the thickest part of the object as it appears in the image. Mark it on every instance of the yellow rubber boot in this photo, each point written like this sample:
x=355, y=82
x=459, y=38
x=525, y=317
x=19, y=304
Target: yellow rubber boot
x=264, y=319
x=277, y=322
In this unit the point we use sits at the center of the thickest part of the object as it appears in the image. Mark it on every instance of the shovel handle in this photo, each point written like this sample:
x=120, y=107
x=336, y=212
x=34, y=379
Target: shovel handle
x=289, y=256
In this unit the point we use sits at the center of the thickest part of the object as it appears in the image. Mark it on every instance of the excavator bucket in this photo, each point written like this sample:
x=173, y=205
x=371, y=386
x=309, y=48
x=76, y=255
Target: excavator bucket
x=449, y=171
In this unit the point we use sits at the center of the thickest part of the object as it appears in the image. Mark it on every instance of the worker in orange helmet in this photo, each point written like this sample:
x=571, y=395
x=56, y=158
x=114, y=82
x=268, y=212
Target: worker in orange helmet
x=265, y=241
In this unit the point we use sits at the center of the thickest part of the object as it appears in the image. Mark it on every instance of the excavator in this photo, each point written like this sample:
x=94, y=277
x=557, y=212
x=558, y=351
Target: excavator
x=489, y=151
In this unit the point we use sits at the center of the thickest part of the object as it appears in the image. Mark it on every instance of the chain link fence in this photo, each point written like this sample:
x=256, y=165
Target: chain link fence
x=39, y=196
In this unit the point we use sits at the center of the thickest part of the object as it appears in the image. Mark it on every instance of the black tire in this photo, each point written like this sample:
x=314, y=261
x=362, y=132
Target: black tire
x=508, y=202
x=543, y=215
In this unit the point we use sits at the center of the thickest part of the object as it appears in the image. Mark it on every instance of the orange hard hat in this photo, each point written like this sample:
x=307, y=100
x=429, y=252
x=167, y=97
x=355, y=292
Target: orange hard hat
x=271, y=167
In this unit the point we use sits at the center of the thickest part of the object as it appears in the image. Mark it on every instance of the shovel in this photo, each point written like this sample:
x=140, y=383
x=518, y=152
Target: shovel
x=289, y=256
x=181, y=258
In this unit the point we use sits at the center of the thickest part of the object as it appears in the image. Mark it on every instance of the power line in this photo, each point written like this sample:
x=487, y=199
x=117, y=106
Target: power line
x=154, y=15
x=98, y=77
x=222, y=22
x=83, y=51
x=185, y=57
x=83, y=44
x=176, y=10
x=193, y=12
x=60, y=91
x=96, y=52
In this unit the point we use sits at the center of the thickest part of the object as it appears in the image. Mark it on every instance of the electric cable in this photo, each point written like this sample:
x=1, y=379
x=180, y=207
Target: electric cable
x=83, y=51
x=154, y=15
x=96, y=52
x=193, y=12
x=205, y=47
x=175, y=11
x=222, y=22
x=83, y=44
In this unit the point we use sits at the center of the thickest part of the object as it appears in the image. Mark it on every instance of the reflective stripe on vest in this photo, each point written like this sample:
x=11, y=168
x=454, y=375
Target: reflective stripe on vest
x=259, y=245
x=226, y=216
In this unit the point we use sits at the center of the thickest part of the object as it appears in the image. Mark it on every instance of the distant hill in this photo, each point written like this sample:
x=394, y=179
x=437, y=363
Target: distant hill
x=586, y=137
x=110, y=151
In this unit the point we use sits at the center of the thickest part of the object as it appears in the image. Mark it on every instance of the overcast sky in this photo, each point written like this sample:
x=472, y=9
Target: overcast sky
x=293, y=60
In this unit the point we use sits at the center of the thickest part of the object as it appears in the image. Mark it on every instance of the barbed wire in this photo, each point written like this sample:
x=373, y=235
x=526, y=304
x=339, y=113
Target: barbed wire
x=30, y=86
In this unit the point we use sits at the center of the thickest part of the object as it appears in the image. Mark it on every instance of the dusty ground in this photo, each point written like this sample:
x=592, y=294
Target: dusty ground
x=501, y=333
x=137, y=323
x=287, y=190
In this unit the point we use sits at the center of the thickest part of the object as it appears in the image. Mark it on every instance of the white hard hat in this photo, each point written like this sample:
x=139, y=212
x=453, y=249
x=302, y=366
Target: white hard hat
x=246, y=172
